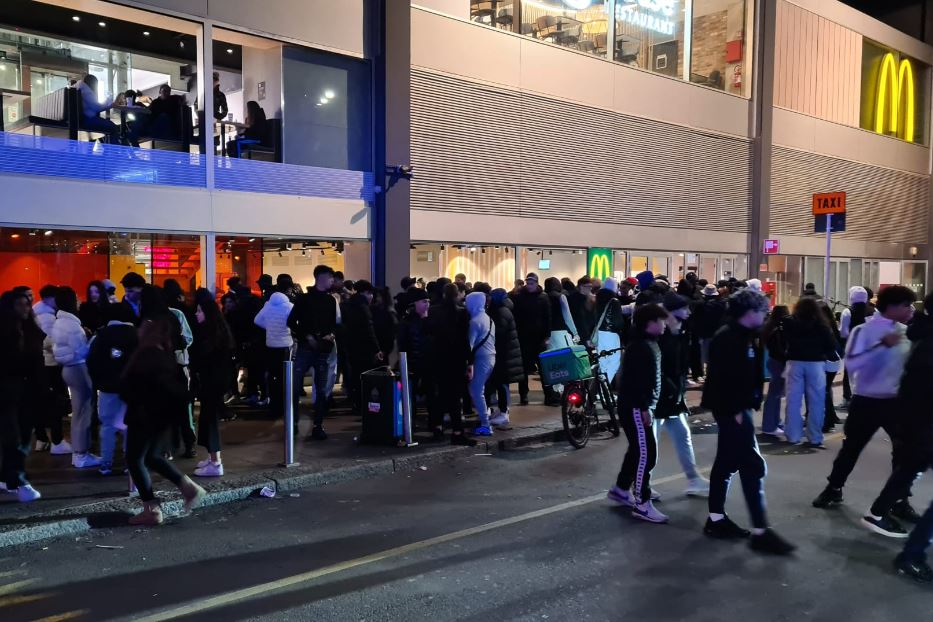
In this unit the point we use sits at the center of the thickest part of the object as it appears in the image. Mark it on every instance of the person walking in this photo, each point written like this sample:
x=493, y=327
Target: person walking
x=448, y=329
x=482, y=338
x=20, y=378
x=173, y=301
x=733, y=391
x=710, y=320
x=314, y=320
x=273, y=319
x=833, y=367
x=54, y=400
x=508, y=368
x=671, y=411
x=854, y=315
x=582, y=305
x=638, y=396
x=875, y=356
x=211, y=358
x=154, y=393
x=533, y=320
x=810, y=344
x=772, y=338
x=108, y=352
x=69, y=346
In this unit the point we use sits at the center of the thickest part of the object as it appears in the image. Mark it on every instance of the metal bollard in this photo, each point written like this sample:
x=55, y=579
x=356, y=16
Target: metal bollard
x=406, y=400
x=288, y=397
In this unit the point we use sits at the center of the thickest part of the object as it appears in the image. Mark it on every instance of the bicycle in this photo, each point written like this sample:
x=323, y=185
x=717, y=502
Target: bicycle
x=578, y=402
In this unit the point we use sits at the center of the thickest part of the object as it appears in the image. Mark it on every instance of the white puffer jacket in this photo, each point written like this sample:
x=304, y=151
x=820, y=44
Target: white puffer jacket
x=69, y=341
x=274, y=318
x=45, y=318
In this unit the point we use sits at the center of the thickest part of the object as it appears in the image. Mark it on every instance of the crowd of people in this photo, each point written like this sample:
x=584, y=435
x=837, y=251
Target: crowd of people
x=138, y=365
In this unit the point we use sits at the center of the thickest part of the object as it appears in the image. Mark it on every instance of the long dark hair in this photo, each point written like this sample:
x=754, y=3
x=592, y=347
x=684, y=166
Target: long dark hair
x=807, y=311
x=102, y=299
x=859, y=313
x=830, y=318
x=256, y=113
x=66, y=300
x=215, y=326
x=778, y=314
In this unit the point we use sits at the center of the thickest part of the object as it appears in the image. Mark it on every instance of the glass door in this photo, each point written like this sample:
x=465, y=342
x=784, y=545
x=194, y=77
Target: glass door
x=709, y=267
x=915, y=277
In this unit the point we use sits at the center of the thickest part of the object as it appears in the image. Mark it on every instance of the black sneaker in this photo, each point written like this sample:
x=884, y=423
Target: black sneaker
x=917, y=570
x=828, y=498
x=523, y=401
x=318, y=434
x=724, y=529
x=462, y=439
x=904, y=511
x=437, y=435
x=884, y=525
x=770, y=542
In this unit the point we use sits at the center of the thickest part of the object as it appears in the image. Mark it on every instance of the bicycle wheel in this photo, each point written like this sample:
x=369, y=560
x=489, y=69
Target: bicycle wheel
x=574, y=404
x=609, y=403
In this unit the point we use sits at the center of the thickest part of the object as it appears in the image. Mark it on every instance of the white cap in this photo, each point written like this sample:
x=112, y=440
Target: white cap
x=857, y=294
x=610, y=284
x=754, y=284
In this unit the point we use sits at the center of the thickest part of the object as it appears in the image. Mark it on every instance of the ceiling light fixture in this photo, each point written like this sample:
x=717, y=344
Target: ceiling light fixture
x=102, y=24
x=329, y=94
x=76, y=18
x=323, y=100
x=49, y=232
x=145, y=33
x=229, y=50
x=15, y=236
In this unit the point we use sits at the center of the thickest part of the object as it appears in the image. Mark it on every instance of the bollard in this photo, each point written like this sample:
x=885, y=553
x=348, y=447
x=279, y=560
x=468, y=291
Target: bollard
x=406, y=400
x=288, y=402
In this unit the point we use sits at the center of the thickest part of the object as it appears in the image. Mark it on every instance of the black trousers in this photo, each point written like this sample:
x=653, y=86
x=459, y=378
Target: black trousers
x=212, y=383
x=897, y=488
x=866, y=416
x=144, y=446
x=737, y=452
x=183, y=431
x=15, y=433
x=53, y=405
x=640, y=457
x=275, y=357
x=445, y=398
x=830, y=418
x=253, y=358
x=696, y=358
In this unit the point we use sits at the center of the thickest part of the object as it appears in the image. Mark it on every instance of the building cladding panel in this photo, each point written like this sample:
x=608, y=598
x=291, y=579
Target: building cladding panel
x=883, y=205
x=489, y=150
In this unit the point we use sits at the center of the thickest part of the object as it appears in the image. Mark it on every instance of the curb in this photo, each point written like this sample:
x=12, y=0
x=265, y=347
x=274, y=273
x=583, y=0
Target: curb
x=83, y=518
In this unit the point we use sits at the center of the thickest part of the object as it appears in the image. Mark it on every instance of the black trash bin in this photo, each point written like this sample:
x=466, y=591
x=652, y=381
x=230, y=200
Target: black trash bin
x=381, y=403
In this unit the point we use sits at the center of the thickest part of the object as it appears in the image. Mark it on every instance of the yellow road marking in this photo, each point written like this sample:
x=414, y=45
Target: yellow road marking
x=61, y=617
x=12, y=588
x=9, y=601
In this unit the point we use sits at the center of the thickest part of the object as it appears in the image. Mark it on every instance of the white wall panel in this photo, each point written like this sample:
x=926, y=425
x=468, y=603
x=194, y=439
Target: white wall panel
x=556, y=72
x=289, y=215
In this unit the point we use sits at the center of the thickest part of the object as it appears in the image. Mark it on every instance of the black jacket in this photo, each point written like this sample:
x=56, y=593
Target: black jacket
x=359, y=330
x=154, y=392
x=735, y=374
x=614, y=321
x=916, y=399
x=554, y=299
x=109, y=352
x=509, y=367
x=710, y=317
x=448, y=329
x=93, y=316
x=532, y=317
x=675, y=352
x=21, y=347
x=809, y=341
x=315, y=315
x=385, y=321
x=584, y=315
x=413, y=338
x=641, y=374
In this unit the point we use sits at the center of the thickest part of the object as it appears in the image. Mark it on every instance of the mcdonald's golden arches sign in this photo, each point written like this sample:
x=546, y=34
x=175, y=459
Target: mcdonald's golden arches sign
x=599, y=263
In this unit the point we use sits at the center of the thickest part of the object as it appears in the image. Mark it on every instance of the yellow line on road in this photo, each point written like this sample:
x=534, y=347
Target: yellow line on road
x=12, y=588
x=263, y=589
x=62, y=617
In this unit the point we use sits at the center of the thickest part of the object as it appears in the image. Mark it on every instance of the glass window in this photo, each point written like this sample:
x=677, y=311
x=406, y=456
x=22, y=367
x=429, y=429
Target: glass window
x=650, y=35
x=894, y=94
x=579, y=24
x=915, y=277
x=718, y=45
x=497, y=13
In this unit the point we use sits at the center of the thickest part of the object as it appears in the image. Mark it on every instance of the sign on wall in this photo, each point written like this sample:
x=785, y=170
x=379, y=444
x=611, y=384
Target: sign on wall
x=654, y=15
x=599, y=263
x=771, y=247
x=892, y=93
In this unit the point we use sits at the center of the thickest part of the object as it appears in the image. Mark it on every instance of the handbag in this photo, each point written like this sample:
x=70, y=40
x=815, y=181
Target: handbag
x=594, y=338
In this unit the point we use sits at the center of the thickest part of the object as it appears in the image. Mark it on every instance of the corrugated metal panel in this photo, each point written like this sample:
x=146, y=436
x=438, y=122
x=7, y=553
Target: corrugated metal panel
x=482, y=149
x=882, y=204
x=275, y=178
x=817, y=68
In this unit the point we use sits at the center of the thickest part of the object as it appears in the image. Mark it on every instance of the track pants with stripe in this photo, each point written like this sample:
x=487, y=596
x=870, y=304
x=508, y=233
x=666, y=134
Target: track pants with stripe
x=737, y=452
x=640, y=457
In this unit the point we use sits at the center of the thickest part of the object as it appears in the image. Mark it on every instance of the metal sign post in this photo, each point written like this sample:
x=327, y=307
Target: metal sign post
x=406, y=400
x=825, y=207
x=829, y=247
x=288, y=401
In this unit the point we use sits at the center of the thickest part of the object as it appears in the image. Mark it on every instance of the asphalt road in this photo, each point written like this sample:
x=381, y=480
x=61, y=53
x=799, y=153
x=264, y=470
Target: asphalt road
x=522, y=535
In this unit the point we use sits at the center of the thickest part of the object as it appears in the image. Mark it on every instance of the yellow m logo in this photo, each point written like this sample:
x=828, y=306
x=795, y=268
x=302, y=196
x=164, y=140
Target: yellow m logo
x=893, y=84
x=599, y=267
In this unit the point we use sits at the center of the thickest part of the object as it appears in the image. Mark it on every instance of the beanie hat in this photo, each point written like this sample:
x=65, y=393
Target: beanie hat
x=632, y=281
x=857, y=294
x=673, y=301
x=415, y=294
x=753, y=284
x=645, y=279
x=498, y=295
x=610, y=284
x=532, y=275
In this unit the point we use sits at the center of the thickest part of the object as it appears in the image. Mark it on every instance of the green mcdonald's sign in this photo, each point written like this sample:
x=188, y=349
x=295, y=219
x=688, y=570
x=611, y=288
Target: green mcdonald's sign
x=599, y=262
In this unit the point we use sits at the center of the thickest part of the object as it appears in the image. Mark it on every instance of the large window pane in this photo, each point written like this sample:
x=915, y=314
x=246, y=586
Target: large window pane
x=497, y=13
x=579, y=24
x=718, y=49
x=650, y=35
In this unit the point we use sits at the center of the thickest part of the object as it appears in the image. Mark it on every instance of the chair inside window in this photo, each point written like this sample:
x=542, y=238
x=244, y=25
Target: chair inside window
x=268, y=149
x=58, y=111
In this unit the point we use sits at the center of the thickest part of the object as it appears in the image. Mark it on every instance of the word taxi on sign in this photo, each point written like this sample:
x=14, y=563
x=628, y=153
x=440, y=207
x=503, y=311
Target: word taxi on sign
x=829, y=203
x=654, y=15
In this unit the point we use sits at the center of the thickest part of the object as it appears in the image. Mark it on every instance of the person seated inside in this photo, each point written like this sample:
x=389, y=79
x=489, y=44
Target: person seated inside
x=165, y=115
x=91, y=108
x=255, y=131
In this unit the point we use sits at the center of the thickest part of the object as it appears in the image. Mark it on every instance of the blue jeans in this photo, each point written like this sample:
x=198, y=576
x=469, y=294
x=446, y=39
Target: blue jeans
x=111, y=410
x=805, y=377
x=915, y=549
x=771, y=414
x=312, y=360
x=482, y=370
x=679, y=431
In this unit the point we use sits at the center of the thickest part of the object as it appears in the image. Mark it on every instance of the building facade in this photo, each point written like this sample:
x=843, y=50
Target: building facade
x=561, y=137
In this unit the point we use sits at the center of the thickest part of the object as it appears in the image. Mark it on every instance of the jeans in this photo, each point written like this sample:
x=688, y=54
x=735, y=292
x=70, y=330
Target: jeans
x=679, y=431
x=111, y=410
x=805, y=377
x=915, y=550
x=866, y=415
x=332, y=361
x=771, y=415
x=482, y=369
x=144, y=446
x=704, y=349
x=82, y=408
x=737, y=451
x=640, y=457
x=318, y=362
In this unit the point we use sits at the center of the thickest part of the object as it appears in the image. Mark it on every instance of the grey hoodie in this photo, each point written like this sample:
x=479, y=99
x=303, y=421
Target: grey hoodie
x=480, y=326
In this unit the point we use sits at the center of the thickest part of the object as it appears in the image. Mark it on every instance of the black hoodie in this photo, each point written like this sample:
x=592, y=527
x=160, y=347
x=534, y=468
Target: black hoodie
x=641, y=373
x=109, y=352
x=735, y=375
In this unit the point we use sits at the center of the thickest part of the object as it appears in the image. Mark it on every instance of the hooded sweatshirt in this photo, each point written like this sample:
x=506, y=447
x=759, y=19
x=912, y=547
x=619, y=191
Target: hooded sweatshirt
x=480, y=326
x=875, y=369
x=274, y=319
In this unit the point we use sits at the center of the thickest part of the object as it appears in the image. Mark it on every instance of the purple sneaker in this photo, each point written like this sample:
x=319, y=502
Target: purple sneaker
x=621, y=497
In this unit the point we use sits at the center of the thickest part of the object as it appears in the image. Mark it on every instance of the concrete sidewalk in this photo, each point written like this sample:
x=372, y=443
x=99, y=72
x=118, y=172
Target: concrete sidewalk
x=76, y=500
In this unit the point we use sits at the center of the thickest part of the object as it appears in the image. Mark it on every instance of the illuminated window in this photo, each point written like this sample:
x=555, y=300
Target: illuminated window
x=893, y=97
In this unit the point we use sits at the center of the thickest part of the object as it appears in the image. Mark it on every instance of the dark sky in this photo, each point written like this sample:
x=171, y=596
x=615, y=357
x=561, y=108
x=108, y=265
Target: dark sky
x=914, y=17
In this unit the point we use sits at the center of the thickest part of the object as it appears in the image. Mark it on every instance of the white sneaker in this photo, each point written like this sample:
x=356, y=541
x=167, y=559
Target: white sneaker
x=655, y=495
x=647, y=512
x=620, y=497
x=211, y=469
x=500, y=420
x=698, y=487
x=42, y=446
x=85, y=461
x=203, y=463
x=61, y=449
x=3, y=488
x=27, y=493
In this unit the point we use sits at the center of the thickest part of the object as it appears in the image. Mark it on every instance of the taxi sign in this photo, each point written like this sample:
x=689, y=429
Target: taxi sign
x=829, y=203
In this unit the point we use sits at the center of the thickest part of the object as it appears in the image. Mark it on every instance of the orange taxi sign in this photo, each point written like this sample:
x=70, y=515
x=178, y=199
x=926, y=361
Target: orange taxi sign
x=829, y=203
